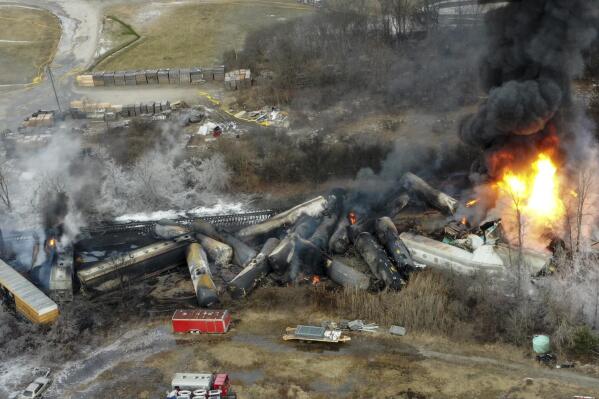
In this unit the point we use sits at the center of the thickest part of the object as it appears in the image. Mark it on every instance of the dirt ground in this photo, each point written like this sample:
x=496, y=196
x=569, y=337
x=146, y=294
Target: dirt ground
x=28, y=40
x=192, y=33
x=138, y=360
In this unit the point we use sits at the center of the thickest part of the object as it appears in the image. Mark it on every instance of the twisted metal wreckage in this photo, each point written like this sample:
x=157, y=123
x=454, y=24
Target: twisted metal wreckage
x=303, y=244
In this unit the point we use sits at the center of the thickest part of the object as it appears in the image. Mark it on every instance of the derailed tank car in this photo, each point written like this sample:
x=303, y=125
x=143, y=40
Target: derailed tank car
x=60, y=285
x=110, y=273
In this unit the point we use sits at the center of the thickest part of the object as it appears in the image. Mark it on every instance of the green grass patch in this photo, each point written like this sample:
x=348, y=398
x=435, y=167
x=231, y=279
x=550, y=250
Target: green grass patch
x=116, y=35
x=28, y=41
x=177, y=35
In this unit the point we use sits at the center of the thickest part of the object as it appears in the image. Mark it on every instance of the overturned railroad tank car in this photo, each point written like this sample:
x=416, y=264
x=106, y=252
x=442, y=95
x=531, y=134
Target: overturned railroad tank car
x=108, y=274
x=60, y=285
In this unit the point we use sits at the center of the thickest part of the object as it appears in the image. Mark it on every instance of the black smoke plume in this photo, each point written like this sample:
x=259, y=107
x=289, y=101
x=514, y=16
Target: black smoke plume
x=535, y=50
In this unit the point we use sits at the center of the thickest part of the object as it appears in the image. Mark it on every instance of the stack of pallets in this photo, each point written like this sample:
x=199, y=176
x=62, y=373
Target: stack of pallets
x=164, y=76
x=239, y=79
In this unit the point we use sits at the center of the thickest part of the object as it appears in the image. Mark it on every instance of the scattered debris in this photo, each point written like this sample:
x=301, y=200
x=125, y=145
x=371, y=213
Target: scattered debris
x=397, y=330
x=547, y=359
x=359, y=325
x=567, y=365
x=296, y=247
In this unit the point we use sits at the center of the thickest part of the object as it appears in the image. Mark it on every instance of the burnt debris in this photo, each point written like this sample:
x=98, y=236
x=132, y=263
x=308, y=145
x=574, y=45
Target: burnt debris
x=341, y=239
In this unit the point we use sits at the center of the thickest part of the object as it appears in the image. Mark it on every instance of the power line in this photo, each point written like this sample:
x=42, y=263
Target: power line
x=54, y=88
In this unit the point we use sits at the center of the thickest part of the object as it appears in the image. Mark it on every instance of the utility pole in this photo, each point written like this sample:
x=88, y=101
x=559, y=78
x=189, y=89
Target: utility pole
x=54, y=88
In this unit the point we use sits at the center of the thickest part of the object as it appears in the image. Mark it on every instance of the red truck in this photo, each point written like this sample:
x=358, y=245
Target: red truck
x=198, y=321
x=201, y=386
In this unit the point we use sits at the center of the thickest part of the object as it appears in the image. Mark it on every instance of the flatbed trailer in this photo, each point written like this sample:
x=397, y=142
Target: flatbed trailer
x=314, y=334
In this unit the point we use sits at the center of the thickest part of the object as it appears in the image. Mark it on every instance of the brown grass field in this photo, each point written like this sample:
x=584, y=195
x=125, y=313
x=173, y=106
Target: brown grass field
x=177, y=35
x=416, y=366
x=28, y=41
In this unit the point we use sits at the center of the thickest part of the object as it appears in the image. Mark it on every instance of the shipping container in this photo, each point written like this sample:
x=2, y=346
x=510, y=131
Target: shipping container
x=201, y=321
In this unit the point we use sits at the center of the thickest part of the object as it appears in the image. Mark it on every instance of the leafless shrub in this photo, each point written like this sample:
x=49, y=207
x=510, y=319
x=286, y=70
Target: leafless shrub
x=4, y=186
x=81, y=324
x=434, y=70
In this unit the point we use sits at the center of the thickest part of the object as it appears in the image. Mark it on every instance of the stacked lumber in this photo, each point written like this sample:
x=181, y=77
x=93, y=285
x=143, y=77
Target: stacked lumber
x=151, y=108
x=81, y=109
x=39, y=119
x=85, y=80
x=239, y=79
x=164, y=76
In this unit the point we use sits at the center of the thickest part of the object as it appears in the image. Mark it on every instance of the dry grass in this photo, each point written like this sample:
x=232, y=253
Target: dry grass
x=29, y=38
x=424, y=305
x=193, y=34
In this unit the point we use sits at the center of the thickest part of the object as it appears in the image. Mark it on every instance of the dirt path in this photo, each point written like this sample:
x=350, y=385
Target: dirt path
x=528, y=371
x=80, y=21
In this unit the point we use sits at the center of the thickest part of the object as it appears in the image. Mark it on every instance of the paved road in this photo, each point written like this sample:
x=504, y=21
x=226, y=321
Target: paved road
x=81, y=22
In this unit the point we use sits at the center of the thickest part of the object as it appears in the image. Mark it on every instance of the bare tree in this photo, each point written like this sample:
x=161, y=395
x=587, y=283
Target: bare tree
x=517, y=201
x=118, y=261
x=584, y=186
x=426, y=14
x=4, y=191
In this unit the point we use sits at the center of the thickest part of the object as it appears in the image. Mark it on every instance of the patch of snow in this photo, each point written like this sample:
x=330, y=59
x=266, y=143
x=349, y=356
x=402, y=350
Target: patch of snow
x=15, y=375
x=219, y=208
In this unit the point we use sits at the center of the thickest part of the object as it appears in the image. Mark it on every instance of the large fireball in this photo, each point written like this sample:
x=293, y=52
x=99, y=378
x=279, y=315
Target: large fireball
x=534, y=192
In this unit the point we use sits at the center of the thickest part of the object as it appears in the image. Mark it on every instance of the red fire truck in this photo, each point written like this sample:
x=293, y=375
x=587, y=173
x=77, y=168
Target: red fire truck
x=198, y=321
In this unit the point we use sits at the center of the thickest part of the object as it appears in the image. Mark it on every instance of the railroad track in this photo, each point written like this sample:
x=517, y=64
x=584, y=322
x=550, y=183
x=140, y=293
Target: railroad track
x=221, y=221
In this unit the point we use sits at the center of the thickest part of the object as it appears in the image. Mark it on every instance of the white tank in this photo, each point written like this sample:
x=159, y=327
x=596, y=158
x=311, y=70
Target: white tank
x=214, y=394
x=184, y=395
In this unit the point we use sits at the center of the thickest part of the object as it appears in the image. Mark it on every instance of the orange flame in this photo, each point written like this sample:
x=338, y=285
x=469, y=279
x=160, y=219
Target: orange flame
x=352, y=217
x=535, y=192
x=471, y=203
x=52, y=242
x=315, y=280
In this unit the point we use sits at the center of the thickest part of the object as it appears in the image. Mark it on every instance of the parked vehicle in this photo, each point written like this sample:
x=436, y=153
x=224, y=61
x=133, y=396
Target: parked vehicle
x=201, y=386
x=36, y=388
x=201, y=321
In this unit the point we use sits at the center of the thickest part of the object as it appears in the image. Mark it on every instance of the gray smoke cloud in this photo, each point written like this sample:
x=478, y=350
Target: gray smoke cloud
x=535, y=50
